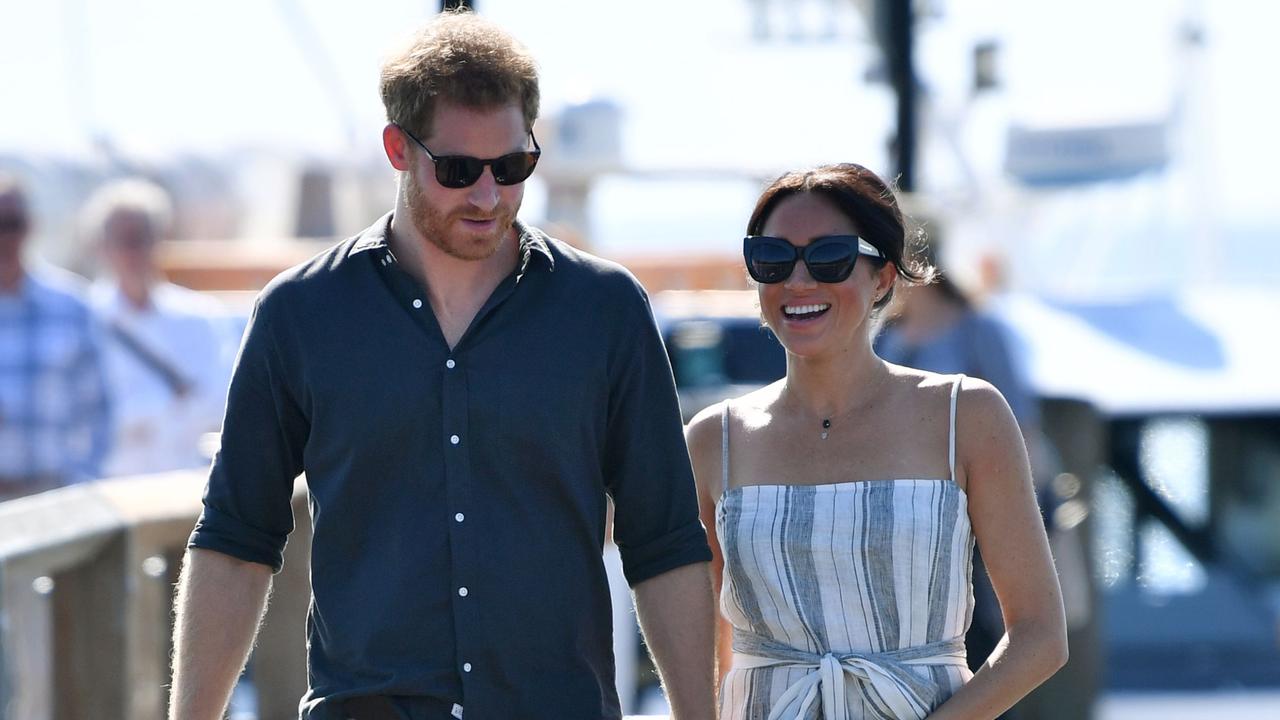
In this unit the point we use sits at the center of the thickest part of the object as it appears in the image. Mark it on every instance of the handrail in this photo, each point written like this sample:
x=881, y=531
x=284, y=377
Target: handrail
x=86, y=591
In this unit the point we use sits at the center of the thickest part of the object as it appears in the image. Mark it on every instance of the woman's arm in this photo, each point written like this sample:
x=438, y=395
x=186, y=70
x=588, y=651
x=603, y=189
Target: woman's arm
x=703, y=435
x=1006, y=522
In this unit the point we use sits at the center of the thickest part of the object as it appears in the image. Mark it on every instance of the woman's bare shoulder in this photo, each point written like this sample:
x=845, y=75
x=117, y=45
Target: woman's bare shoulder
x=706, y=427
x=923, y=385
x=703, y=430
x=980, y=403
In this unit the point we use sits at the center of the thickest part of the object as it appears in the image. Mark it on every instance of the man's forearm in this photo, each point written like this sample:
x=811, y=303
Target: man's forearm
x=220, y=602
x=677, y=614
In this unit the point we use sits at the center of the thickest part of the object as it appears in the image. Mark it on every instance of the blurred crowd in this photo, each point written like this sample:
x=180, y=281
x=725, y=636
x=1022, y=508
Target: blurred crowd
x=121, y=373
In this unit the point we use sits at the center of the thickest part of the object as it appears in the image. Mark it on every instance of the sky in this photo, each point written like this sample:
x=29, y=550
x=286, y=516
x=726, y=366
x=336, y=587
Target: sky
x=697, y=92
x=160, y=75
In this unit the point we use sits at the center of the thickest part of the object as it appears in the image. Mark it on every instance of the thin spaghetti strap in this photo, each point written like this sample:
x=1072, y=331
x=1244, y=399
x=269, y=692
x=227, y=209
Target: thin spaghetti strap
x=724, y=448
x=951, y=432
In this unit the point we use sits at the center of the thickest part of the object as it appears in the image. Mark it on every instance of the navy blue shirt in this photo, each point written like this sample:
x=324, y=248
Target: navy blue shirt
x=457, y=497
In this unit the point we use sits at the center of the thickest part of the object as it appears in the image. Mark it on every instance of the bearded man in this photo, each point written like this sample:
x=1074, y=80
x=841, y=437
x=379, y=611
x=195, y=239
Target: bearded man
x=464, y=394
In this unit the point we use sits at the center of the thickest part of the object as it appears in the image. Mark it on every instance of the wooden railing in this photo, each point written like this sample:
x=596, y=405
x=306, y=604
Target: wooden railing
x=221, y=266
x=86, y=589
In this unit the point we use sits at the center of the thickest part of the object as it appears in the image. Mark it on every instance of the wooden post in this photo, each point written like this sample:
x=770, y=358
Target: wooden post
x=86, y=577
x=26, y=631
x=158, y=512
x=70, y=538
x=90, y=643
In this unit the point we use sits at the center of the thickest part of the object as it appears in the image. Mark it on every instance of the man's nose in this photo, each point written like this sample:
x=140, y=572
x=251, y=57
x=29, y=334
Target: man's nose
x=484, y=193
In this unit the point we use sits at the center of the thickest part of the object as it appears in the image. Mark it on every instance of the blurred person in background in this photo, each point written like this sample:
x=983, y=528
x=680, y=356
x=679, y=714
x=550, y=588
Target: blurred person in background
x=939, y=328
x=54, y=410
x=846, y=497
x=167, y=347
x=464, y=394
x=936, y=327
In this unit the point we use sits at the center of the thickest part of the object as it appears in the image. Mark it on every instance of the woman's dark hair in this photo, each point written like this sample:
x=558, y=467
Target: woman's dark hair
x=867, y=201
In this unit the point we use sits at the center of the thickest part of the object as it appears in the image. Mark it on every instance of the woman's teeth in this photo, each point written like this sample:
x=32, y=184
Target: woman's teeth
x=803, y=310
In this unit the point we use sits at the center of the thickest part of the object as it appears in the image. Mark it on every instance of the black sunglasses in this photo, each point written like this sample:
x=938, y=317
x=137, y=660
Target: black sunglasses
x=459, y=171
x=829, y=258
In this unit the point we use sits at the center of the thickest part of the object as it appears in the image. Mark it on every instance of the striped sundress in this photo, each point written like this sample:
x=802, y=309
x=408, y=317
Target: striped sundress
x=848, y=601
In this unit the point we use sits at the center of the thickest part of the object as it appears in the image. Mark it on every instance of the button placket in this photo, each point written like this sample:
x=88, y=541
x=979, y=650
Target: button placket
x=458, y=471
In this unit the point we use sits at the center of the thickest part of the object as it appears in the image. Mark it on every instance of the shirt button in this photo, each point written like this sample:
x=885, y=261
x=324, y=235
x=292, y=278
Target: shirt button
x=417, y=303
x=466, y=667
x=455, y=439
x=450, y=363
x=459, y=517
x=462, y=592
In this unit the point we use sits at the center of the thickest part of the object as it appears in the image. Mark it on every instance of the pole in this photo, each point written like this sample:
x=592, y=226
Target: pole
x=897, y=39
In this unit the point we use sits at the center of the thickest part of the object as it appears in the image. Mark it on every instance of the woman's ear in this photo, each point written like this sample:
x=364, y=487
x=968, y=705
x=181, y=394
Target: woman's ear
x=886, y=276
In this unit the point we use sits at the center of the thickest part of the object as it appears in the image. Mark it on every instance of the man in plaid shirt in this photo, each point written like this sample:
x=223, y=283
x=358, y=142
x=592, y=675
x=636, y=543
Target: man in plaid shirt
x=54, y=424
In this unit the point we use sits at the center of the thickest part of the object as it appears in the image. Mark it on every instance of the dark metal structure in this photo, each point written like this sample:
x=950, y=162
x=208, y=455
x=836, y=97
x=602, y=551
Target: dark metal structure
x=895, y=30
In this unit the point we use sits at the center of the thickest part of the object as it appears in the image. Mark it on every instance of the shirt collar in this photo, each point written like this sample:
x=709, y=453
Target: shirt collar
x=533, y=241
x=374, y=236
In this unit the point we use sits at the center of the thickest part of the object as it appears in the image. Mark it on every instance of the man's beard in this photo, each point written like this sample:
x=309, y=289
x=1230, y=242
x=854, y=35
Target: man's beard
x=435, y=226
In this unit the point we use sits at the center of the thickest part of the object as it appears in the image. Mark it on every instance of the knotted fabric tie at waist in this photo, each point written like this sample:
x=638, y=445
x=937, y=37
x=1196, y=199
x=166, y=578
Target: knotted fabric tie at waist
x=889, y=686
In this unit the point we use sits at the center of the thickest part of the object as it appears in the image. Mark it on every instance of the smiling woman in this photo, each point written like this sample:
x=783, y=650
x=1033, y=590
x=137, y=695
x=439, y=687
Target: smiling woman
x=830, y=217
x=846, y=497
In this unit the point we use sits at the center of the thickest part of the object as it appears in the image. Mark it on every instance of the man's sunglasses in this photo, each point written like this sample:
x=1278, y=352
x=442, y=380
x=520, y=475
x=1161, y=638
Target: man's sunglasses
x=829, y=258
x=459, y=171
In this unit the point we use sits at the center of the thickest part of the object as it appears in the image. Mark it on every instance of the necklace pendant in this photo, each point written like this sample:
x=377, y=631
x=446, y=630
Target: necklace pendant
x=824, y=434
x=826, y=426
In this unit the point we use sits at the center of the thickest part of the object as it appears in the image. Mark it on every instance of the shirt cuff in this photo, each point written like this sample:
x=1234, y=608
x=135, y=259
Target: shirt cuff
x=684, y=546
x=220, y=532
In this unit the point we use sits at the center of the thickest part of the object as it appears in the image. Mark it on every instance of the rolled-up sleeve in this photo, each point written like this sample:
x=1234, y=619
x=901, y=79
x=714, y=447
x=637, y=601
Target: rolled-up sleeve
x=656, y=525
x=247, y=511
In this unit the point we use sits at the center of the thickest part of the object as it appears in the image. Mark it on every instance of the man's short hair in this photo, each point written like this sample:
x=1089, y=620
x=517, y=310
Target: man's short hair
x=129, y=195
x=460, y=58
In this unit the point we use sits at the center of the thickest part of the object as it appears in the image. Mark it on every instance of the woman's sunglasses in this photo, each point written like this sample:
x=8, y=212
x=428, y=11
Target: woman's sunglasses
x=459, y=171
x=829, y=258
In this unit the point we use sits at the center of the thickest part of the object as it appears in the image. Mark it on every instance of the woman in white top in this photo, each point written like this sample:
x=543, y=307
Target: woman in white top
x=845, y=498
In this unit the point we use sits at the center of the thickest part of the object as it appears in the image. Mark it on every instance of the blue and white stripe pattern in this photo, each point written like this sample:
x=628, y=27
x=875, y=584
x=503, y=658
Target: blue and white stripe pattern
x=54, y=415
x=848, y=601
